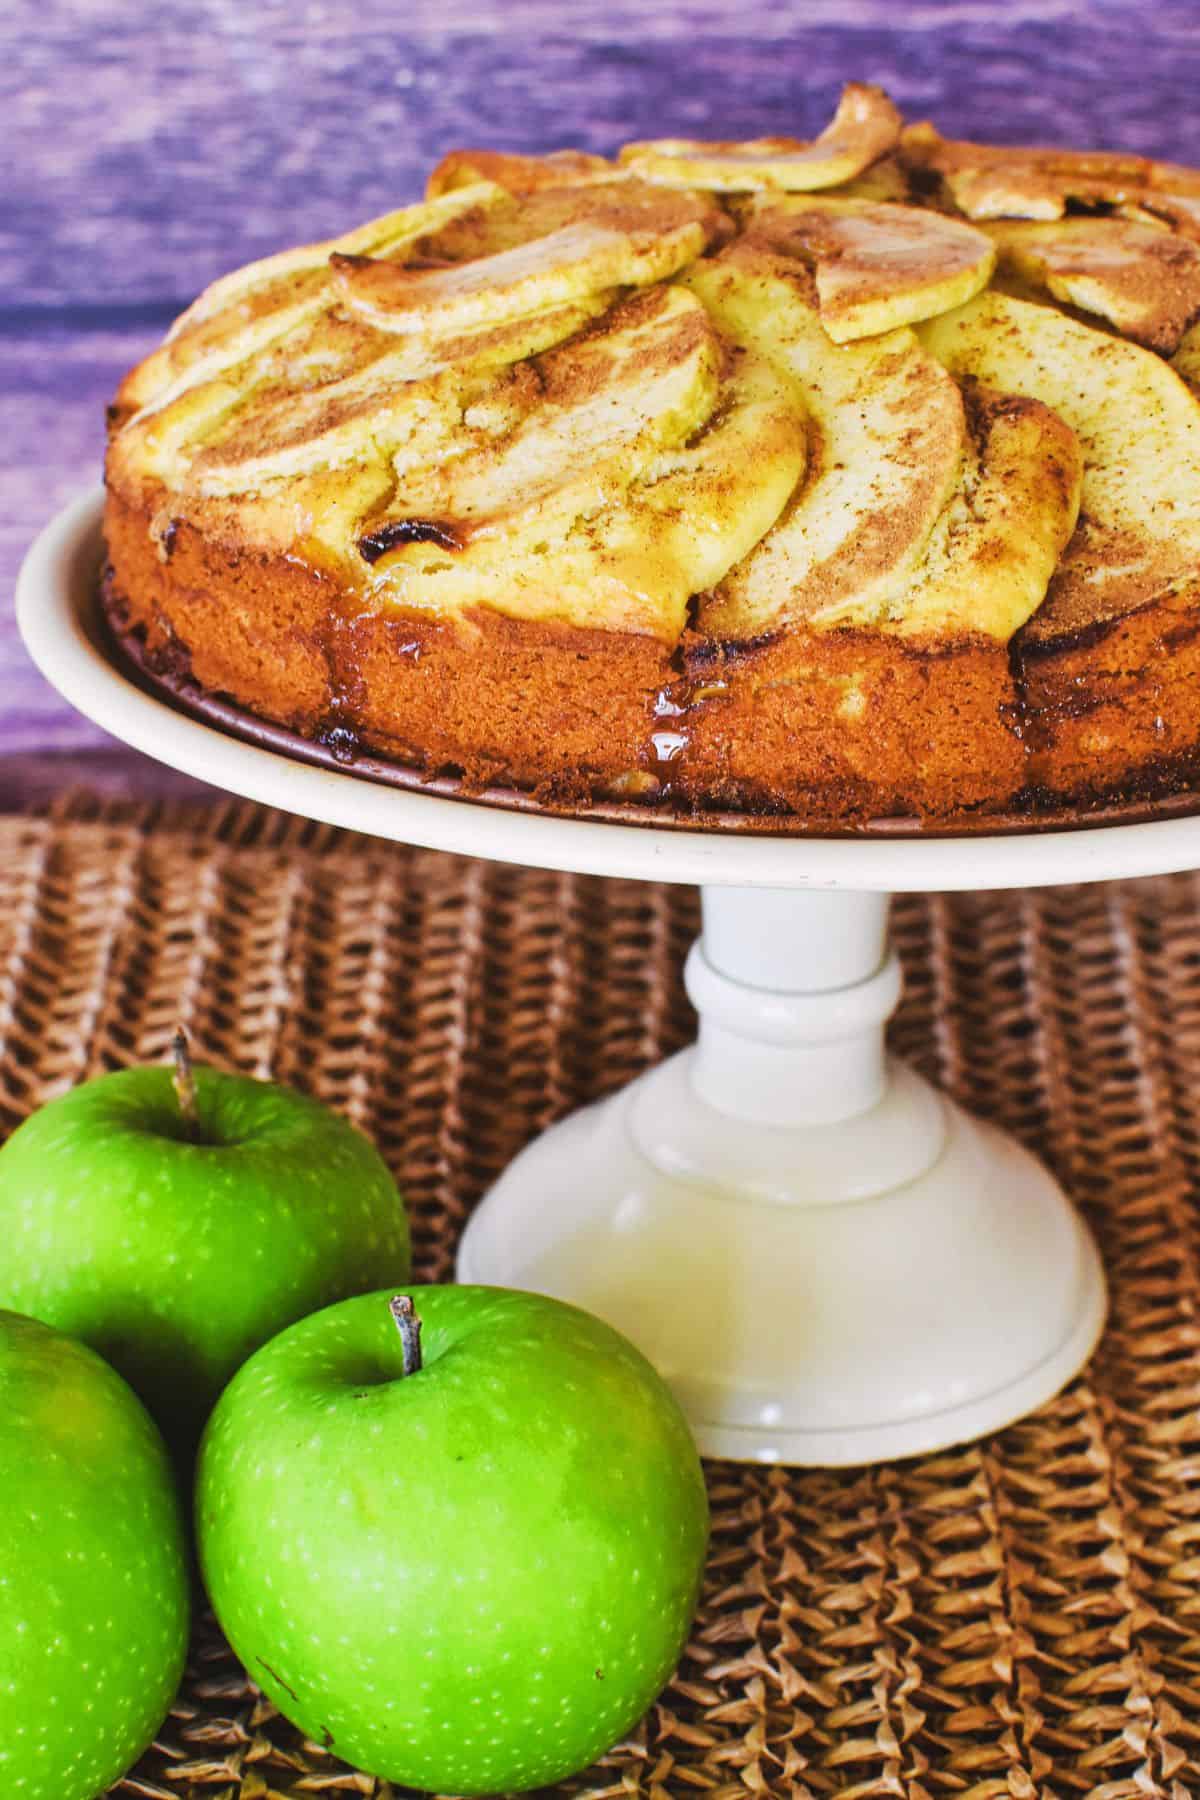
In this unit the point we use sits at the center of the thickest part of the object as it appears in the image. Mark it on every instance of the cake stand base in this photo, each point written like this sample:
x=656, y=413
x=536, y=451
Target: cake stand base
x=828, y=1261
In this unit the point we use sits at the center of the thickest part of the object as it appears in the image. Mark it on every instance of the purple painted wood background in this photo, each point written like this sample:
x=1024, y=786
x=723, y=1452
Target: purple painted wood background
x=151, y=146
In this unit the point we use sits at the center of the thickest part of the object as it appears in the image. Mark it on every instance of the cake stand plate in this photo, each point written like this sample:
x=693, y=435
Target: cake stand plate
x=829, y=1261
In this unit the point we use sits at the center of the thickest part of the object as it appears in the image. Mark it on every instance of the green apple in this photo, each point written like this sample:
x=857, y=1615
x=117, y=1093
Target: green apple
x=472, y=1576
x=175, y=1231
x=94, y=1576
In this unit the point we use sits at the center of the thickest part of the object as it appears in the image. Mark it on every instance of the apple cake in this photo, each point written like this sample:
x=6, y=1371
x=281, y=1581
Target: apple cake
x=850, y=479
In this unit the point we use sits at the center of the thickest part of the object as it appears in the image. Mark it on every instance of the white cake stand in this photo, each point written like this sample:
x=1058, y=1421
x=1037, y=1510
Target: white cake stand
x=829, y=1261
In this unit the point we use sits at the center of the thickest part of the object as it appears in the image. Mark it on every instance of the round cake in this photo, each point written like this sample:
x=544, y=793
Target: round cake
x=846, y=479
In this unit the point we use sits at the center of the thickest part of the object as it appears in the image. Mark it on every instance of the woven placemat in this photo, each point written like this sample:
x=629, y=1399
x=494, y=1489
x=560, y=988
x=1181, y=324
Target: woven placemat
x=1020, y=1618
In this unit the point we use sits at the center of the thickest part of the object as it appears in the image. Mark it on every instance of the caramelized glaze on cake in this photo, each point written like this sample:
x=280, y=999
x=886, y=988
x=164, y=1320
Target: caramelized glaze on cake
x=848, y=478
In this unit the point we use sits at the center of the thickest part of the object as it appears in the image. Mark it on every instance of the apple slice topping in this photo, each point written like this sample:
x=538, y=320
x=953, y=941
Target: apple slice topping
x=595, y=510
x=876, y=266
x=702, y=506
x=642, y=382
x=213, y=345
x=396, y=390
x=519, y=174
x=1138, y=424
x=384, y=235
x=580, y=464
x=543, y=250
x=886, y=443
x=865, y=126
x=886, y=181
x=995, y=547
x=988, y=181
x=265, y=303
x=1140, y=277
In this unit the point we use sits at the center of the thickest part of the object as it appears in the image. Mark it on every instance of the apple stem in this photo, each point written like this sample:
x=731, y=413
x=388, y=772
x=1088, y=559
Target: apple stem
x=184, y=1078
x=409, y=1327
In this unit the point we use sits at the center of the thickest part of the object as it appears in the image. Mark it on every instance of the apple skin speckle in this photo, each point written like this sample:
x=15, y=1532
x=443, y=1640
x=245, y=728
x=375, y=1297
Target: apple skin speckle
x=94, y=1571
x=522, y=1473
x=175, y=1259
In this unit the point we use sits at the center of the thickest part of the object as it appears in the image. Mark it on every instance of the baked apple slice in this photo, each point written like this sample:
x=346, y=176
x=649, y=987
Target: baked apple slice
x=538, y=251
x=572, y=422
x=886, y=447
x=865, y=126
x=990, y=181
x=519, y=174
x=1139, y=428
x=886, y=181
x=875, y=266
x=1142, y=278
x=702, y=505
x=386, y=235
x=266, y=301
x=994, y=548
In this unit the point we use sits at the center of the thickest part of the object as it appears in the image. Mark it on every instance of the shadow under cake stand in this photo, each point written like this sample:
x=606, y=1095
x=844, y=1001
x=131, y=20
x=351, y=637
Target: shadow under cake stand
x=829, y=1261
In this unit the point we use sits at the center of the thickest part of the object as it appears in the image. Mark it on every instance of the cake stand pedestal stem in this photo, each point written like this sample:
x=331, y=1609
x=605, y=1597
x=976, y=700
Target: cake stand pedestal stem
x=793, y=992
x=829, y=1261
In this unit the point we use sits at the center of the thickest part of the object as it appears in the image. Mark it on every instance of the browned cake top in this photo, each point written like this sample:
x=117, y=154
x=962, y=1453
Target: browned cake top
x=939, y=389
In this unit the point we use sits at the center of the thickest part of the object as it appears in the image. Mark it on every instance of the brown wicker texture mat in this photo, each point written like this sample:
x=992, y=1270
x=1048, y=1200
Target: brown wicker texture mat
x=1020, y=1618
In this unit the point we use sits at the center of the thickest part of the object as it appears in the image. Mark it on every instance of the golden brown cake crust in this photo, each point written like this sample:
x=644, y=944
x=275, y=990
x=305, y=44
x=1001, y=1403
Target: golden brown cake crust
x=1113, y=706
x=541, y=705
x=854, y=723
x=840, y=725
x=836, y=724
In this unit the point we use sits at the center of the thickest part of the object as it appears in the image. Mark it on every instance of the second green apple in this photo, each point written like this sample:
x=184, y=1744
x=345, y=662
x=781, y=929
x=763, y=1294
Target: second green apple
x=175, y=1247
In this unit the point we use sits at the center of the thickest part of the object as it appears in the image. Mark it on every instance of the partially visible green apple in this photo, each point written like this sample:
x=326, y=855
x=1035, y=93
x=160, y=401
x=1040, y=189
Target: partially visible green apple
x=472, y=1577
x=93, y=1570
x=176, y=1245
